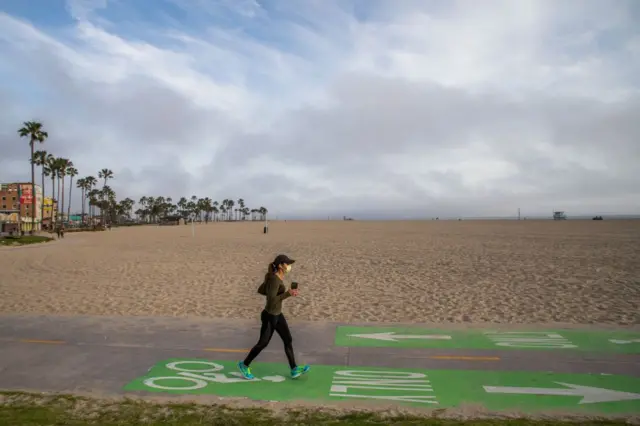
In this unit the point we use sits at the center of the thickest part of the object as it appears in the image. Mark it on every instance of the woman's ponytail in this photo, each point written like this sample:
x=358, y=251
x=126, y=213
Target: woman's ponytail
x=271, y=269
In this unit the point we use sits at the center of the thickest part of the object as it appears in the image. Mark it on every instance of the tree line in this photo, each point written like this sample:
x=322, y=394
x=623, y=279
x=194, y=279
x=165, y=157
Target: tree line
x=97, y=194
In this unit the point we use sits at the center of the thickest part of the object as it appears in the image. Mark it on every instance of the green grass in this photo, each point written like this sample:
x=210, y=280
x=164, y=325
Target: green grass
x=25, y=409
x=21, y=241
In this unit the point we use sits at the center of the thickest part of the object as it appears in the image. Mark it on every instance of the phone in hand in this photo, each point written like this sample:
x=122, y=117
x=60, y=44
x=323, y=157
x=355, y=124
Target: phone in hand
x=294, y=285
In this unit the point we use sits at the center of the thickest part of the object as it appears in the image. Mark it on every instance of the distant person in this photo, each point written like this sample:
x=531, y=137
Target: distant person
x=273, y=319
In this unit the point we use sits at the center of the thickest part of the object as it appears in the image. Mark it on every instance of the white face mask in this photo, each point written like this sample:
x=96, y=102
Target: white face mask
x=288, y=269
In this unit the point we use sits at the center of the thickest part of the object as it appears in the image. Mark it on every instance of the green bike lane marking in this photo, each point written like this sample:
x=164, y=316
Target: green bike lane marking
x=524, y=391
x=625, y=342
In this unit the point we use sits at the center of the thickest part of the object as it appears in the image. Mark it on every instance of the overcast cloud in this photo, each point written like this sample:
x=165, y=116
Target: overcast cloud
x=398, y=108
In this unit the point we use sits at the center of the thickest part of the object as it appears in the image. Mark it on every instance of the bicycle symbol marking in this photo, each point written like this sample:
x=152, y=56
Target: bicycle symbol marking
x=191, y=378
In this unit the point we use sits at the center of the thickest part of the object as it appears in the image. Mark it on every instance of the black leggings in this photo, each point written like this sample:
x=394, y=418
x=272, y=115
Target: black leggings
x=271, y=323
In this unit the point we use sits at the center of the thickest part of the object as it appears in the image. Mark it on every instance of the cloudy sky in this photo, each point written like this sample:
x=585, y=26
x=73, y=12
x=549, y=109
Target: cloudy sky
x=368, y=108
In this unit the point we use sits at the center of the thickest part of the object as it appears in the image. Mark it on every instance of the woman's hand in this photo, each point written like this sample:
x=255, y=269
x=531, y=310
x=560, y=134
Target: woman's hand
x=293, y=292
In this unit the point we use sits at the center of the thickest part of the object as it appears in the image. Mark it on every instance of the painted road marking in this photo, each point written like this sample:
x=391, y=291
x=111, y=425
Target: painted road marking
x=465, y=358
x=393, y=337
x=417, y=385
x=232, y=351
x=530, y=339
x=226, y=350
x=413, y=337
x=494, y=390
x=589, y=394
x=45, y=342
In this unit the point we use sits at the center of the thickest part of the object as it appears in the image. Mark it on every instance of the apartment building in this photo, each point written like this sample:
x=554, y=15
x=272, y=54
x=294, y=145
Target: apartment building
x=16, y=200
x=50, y=212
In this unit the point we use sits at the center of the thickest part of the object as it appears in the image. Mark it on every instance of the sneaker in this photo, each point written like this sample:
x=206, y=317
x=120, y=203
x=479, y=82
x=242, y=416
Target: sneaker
x=299, y=371
x=246, y=371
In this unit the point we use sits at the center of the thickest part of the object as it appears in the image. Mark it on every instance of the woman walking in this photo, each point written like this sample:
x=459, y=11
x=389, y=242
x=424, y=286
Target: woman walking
x=273, y=319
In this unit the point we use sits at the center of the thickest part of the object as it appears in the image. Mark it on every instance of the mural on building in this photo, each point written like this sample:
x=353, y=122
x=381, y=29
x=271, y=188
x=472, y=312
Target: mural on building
x=16, y=201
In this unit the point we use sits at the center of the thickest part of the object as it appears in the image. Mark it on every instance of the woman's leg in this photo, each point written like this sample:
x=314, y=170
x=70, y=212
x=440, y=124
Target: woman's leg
x=282, y=328
x=266, y=332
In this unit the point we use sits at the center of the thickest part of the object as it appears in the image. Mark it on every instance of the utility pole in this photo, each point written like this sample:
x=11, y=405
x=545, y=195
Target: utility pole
x=518, y=213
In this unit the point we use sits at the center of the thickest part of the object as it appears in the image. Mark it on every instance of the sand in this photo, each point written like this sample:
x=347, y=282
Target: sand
x=576, y=272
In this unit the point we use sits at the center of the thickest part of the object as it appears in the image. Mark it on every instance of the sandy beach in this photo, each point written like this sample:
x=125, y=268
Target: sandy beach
x=579, y=272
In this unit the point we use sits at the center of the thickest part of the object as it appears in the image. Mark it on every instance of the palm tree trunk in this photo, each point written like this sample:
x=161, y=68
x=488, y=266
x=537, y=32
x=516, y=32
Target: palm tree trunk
x=42, y=202
x=63, y=199
x=70, y=188
x=82, y=200
x=33, y=191
x=53, y=195
x=58, y=202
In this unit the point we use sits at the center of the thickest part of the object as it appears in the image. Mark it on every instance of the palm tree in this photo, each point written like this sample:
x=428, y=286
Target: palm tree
x=230, y=204
x=215, y=210
x=51, y=170
x=263, y=212
x=33, y=130
x=90, y=182
x=127, y=205
x=93, y=201
x=60, y=165
x=108, y=202
x=105, y=174
x=81, y=183
x=65, y=165
x=207, y=206
x=41, y=158
x=71, y=171
x=241, y=206
x=57, y=165
x=182, y=207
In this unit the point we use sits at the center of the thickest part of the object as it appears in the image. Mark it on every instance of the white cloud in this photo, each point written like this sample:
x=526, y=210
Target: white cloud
x=445, y=108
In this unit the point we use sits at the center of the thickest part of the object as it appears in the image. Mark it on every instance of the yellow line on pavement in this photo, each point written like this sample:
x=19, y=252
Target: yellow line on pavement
x=46, y=342
x=466, y=358
x=235, y=351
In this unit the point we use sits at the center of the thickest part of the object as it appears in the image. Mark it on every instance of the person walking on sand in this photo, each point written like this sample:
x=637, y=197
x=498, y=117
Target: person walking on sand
x=273, y=319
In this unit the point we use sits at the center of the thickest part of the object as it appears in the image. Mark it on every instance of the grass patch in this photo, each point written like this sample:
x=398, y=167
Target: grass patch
x=27, y=409
x=24, y=240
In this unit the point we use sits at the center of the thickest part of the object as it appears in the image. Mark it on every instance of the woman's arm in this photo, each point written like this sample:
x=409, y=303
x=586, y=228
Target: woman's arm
x=272, y=286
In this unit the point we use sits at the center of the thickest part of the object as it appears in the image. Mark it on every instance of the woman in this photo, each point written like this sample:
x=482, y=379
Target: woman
x=273, y=319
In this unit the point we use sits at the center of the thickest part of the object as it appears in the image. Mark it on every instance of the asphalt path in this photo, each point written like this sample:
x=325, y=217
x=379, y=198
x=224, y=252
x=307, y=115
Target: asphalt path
x=102, y=354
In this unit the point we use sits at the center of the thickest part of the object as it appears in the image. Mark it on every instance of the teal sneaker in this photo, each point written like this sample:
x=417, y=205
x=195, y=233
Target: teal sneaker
x=299, y=371
x=246, y=371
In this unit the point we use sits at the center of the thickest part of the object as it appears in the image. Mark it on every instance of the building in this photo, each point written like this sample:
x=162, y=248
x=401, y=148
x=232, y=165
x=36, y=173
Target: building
x=50, y=212
x=16, y=202
x=559, y=216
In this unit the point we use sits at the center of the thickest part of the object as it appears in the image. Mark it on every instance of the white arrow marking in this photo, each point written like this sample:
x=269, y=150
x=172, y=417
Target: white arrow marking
x=589, y=394
x=393, y=337
x=624, y=342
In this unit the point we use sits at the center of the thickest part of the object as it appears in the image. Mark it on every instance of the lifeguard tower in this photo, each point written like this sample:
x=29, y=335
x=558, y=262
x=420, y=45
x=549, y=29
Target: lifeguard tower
x=559, y=216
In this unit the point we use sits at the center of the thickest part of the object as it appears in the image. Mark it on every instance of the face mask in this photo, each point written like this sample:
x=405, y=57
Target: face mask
x=288, y=269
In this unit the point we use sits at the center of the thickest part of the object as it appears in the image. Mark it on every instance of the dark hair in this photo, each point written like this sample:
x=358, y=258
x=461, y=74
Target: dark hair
x=271, y=269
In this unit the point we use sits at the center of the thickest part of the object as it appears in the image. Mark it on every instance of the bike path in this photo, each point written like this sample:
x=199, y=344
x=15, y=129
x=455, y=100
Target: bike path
x=196, y=356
